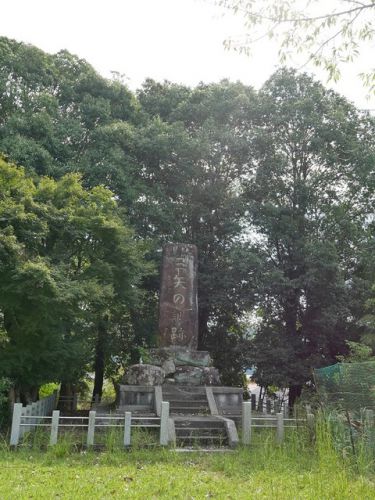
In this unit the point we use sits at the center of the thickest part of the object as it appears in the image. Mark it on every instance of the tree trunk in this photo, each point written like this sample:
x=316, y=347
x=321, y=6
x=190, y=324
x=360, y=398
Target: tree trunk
x=203, y=328
x=294, y=394
x=99, y=361
x=66, y=396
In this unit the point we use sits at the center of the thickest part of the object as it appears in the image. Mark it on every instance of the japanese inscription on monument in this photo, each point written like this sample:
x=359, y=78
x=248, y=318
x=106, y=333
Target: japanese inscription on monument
x=178, y=320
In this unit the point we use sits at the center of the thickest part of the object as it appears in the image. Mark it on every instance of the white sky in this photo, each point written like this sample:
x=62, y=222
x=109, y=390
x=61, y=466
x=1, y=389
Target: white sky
x=178, y=40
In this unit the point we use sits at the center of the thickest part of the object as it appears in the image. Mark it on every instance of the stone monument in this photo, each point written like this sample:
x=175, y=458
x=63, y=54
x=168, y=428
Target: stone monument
x=178, y=318
x=177, y=360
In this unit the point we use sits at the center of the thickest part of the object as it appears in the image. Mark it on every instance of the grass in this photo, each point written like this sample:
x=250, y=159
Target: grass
x=295, y=470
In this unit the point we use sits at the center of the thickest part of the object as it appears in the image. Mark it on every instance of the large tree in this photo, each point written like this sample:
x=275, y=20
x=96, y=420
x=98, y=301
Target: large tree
x=70, y=271
x=313, y=152
x=194, y=157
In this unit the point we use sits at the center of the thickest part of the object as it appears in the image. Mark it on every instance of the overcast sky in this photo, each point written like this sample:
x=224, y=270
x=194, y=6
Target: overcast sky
x=178, y=40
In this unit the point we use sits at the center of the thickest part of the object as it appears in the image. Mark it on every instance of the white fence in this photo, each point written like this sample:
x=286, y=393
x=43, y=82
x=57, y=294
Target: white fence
x=33, y=412
x=22, y=422
x=278, y=422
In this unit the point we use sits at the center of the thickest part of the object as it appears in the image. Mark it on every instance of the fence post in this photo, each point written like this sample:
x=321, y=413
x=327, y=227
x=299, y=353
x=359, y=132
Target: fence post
x=34, y=411
x=280, y=428
x=54, y=427
x=246, y=422
x=164, y=423
x=16, y=424
x=127, y=428
x=91, y=428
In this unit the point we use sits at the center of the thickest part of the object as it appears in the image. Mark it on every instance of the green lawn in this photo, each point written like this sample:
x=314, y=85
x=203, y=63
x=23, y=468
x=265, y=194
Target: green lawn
x=293, y=471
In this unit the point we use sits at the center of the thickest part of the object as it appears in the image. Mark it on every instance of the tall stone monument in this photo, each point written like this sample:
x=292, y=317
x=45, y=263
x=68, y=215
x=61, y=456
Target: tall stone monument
x=178, y=317
x=177, y=360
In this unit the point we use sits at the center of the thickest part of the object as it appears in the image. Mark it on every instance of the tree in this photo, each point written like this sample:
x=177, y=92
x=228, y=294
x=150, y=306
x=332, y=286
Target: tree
x=326, y=34
x=312, y=152
x=70, y=273
x=54, y=111
x=193, y=154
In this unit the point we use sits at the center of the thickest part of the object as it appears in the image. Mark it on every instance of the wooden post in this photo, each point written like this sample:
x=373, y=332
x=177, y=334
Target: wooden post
x=164, y=423
x=246, y=422
x=91, y=428
x=16, y=424
x=54, y=427
x=127, y=428
x=280, y=428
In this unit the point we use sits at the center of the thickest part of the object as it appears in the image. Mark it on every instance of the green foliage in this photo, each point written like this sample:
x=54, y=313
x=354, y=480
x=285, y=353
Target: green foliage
x=68, y=259
x=305, y=203
x=48, y=389
x=274, y=187
x=357, y=352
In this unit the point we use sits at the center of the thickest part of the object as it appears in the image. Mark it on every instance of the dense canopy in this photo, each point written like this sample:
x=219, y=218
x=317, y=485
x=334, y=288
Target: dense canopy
x=275, y=187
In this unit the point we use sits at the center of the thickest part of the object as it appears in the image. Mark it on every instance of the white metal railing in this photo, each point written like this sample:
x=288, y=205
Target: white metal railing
x=22, y=421
x=278, y=422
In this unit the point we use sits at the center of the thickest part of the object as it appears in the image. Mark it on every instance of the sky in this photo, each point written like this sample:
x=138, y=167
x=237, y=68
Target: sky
x=177, y=40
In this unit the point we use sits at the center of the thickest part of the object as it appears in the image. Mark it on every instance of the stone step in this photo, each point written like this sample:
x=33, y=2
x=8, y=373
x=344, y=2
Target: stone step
x=198, y=422
x=189, y=411
x=173, y=402
x=200, y=432
x=181, y=397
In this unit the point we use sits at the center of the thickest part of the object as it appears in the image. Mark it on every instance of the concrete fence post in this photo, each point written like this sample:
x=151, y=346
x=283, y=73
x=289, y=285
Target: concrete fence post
x=54, y=427
x=16, y=424
x=246, y=422
x=279, y=428
x=164, y=423
x=127, y=428
x=91, y=428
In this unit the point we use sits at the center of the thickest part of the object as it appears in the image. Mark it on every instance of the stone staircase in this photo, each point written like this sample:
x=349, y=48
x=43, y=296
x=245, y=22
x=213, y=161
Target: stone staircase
x=194, y=426
x=186, y=400
x=200, y=432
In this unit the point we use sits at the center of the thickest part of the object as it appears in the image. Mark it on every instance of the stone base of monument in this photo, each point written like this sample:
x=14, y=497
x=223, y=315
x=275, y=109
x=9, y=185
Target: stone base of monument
x=178, y=365
x=202, y=411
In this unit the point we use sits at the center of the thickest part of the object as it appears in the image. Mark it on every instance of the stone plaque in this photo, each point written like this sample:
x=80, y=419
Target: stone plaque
x=178, y=318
